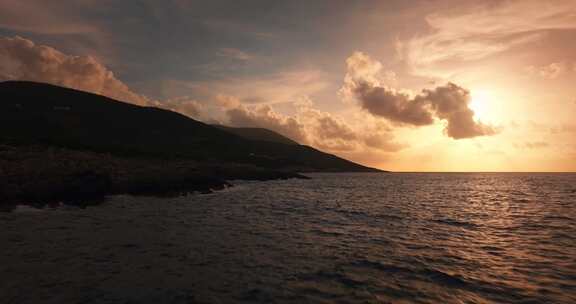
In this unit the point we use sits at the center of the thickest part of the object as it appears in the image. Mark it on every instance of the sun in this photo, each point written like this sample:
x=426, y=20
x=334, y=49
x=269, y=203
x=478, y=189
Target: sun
x=479, y=103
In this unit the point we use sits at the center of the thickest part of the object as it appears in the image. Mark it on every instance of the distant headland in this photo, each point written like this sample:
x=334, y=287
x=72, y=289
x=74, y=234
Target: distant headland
x=64, y=145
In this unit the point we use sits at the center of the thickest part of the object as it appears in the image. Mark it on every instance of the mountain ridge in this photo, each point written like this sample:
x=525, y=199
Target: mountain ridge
x=48, y=114
x=255, y=133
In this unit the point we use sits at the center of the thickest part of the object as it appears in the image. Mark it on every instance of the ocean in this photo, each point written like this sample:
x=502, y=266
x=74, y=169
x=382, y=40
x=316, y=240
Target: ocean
x=337, y=238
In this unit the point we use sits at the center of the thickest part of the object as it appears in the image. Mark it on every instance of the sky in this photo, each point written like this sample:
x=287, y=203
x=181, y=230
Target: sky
x=408, y=85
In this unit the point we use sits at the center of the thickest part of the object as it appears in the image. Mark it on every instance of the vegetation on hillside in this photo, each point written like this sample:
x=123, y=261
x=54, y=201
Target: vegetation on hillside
x=39, y=175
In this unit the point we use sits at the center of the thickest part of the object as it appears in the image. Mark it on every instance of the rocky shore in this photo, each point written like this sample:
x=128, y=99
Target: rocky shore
x=42, y=175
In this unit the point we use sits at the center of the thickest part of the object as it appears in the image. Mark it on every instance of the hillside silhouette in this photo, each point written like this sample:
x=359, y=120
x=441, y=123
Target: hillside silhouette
x=37, y=113
x=260, y=134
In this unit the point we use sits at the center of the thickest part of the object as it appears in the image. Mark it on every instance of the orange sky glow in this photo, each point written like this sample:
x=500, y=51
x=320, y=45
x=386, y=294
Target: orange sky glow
x=399, y=85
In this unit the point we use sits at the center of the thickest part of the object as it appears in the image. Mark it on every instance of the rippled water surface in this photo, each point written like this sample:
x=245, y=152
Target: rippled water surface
x=416, y=237
x=374, y=238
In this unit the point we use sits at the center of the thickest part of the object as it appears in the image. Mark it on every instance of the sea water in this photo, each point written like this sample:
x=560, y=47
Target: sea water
x=337, y=238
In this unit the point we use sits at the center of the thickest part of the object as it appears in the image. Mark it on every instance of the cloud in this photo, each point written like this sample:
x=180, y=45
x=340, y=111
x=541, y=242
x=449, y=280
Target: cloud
x=392, y=105
x=263, y=116
x=310, y=126
x=329, y=127
x=551, y=128
x=327, y=131
x=270, y=88
x=260, y=116
x=60, y=21
x=22, y=59
x=46, y=17
x=479, y=31
x=562, y=128
x=550, y=71
x=234, y=54
x=532, y=145
x=449, y=103
x=185, y=105
x=361, y=67
x=237, y=28
x=368, y=83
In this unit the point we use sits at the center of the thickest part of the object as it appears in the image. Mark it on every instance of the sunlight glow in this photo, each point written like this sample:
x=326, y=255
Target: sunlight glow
x=479, y=103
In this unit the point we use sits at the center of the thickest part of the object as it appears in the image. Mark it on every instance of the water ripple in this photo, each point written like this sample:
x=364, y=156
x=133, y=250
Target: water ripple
x=348, y=238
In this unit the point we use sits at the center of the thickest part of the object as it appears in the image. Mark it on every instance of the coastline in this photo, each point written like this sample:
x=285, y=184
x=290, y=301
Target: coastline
x=44, y=175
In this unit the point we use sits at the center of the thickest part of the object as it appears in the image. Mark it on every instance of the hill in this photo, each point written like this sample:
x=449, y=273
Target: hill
x=260, y=134
x=36, y=113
